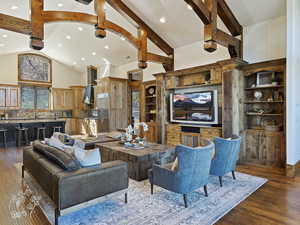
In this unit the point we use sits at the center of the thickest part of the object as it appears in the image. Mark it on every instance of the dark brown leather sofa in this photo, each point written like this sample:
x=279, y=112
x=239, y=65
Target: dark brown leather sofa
x=70, y=190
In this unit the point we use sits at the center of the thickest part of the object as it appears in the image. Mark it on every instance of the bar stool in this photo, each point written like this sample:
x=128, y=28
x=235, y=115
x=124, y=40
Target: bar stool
x=4, y=132
x=22, y=135
x=57, y=129
x=41, y=131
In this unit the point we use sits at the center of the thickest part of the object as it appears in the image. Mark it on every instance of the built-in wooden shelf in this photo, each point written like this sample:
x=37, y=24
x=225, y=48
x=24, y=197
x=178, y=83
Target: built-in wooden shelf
x=265, y=87
x=264, y=114
x=257, y=102
x=195, y=86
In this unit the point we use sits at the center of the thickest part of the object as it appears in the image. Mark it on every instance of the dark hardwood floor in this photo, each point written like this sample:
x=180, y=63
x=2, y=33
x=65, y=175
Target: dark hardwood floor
x=277, y=202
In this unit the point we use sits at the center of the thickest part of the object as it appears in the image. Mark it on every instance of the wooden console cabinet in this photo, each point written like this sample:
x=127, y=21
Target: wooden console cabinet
x=176, y=136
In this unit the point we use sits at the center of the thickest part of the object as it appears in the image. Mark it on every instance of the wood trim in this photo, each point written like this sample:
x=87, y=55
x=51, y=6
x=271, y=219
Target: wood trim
x=31, y=81
x=201, y=10
x=15, y=24
x=139, y=23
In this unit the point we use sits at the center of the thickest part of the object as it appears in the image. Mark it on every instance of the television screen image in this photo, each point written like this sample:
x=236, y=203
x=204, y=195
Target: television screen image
x=197, y=107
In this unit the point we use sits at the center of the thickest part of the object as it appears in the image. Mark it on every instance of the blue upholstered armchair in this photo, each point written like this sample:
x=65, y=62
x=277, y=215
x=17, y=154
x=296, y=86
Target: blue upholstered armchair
x=226, y=156
x=191, y=173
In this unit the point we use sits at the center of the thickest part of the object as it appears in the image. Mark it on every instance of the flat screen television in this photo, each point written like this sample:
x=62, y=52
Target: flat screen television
x=195, y=108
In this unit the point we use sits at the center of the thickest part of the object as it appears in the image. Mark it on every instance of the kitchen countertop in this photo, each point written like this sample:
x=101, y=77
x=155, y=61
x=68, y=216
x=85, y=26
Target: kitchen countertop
x=32, y=120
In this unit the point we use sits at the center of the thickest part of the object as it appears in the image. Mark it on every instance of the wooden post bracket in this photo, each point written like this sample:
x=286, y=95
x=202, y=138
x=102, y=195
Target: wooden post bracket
x=39, y=17
x=208, y=11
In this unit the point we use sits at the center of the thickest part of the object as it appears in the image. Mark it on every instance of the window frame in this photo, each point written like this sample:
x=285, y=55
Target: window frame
x=35, y=87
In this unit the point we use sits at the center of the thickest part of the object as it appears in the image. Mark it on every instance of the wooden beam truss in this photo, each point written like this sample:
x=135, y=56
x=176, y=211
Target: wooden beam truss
x=39, y=17
x=208, y=11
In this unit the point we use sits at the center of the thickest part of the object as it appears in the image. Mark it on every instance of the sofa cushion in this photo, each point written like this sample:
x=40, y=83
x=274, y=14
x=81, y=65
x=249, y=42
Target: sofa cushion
x=61, y=158
x=88, y=158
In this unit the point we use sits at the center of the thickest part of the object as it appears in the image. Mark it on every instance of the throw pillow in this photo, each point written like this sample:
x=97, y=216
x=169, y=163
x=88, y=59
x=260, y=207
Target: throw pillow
x=87, y=158
x=175, y=165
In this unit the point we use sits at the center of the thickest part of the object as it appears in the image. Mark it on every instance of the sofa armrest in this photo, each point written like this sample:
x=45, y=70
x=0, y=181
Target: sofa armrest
x=86, y=184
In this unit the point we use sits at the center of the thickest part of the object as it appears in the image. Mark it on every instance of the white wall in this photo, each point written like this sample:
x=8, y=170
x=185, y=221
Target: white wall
x=62, y=76
x=263, y=41
x=293, y=81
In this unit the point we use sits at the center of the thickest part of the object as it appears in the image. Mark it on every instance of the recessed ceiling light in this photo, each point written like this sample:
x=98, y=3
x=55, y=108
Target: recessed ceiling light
x=122, y=38
x=14, y=7
x=162, y=20
x=60, y=45
x=74, y=63
x=82, y=59
x=29, y=12
x=94, y=53
x=189, y=7
x=80, y=28
x=68, y=37
x=60, y=5
x=106, y=47
x=2, y=45
x=4, y=35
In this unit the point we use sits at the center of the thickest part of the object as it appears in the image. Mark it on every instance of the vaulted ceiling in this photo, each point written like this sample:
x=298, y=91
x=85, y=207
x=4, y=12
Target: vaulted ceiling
x=75, y=44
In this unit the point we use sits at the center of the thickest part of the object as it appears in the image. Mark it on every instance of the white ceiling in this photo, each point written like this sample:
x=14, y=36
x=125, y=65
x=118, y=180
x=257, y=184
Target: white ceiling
x=182, y=27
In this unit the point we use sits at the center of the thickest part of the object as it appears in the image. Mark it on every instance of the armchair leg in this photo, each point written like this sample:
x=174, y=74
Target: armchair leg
x=126, y=198
x=185, y=200
x=23, y=170
x=205, y=190
x=233, y=175
x=221, y=182
x=57, y=214
x=152, y=187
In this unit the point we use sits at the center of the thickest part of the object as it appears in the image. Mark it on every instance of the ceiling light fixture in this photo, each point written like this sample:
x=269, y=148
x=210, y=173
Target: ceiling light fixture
x=189, y=7
x=2, y=45
x=68, y=37
x=74, y=63
x=106, y=47
x=60, y=45
x=14, y=7
x=80, y=28
x=60, y=5
x=122, y=38
x=162, y=20
x=82, y=59
x=94, y=53
x=4, y=35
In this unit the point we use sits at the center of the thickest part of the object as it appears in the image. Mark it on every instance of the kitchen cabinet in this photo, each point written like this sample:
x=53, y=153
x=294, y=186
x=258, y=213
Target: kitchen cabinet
x=9, y=97
x=62, y=99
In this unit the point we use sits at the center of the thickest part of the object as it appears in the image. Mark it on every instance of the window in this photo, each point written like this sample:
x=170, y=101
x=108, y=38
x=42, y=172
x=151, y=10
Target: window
x=35, y=97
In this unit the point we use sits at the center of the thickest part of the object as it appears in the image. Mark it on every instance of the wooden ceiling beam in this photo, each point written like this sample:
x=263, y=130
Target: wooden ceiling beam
x=100, y=27
x=229, y=19
x=158, y=58
x=15, y=24
x=210, y=30
x=61, y=16
x=143, y=48
x=233, y=44
x=200, y=9
x=37, y=23
x=139, y=23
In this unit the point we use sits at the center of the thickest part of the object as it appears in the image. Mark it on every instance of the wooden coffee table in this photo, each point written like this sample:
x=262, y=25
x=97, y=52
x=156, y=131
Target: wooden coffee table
x=139, y=161
x=90, y=142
